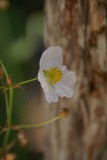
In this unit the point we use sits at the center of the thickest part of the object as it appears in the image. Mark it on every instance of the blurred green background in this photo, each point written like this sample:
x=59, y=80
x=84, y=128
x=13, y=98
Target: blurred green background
x=21, y=45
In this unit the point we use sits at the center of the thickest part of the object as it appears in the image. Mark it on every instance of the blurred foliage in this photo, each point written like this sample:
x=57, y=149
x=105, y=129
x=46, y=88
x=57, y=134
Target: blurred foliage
x=24, y=47
x=21, y=37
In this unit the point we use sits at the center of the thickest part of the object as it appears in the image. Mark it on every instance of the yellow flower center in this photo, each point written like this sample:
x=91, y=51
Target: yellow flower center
x=54, y=75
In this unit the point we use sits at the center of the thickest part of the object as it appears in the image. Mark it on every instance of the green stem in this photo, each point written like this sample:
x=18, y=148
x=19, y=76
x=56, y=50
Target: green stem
x=27, y=81
x=10, y=106
x=39, y=124
x=6, y=100
x=21, y=83
x=4, y=69
x=9, y=118
x=7, y=103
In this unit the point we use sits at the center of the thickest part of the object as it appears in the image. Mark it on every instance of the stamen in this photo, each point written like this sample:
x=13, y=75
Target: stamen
x=54, y=75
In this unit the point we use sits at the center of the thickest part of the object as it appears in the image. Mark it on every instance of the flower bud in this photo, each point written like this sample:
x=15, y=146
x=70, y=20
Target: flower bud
x=22, y=138
x=9, y=81
x=64, y=113
x=4, y=4
x=1, y=72
x=10, y=156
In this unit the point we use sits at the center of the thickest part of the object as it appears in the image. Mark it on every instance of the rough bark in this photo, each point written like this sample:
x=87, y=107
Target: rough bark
x=80, y=28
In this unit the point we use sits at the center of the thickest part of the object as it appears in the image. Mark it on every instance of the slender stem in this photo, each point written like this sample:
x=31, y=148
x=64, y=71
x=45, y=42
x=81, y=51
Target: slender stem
x=10, y=106
x=7, y=103
x=6, y=100
x=5, y=71
x=20, y=83
x=39, y=124
x=9, y=118
x=27, y=81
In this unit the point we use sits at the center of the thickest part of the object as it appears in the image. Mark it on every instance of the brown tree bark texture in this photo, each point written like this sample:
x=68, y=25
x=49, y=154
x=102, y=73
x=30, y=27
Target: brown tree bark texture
x=80, y=28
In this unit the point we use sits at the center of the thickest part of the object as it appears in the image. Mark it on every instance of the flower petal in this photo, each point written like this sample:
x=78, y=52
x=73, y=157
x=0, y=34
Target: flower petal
x=65, y=87
x=52, y=57
x=63, y=91
x=50, y=94
x=68, y=78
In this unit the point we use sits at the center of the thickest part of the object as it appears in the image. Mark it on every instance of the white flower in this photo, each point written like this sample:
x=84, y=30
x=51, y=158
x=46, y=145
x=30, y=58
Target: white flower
x=55, y=78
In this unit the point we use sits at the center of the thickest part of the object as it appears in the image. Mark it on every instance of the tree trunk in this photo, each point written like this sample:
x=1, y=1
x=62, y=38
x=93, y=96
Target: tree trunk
x=80, y=28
